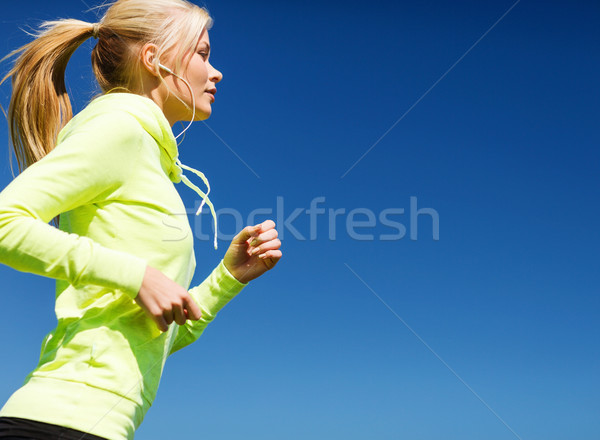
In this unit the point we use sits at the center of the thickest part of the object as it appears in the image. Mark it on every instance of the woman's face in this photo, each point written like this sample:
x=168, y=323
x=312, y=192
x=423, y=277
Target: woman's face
x=202, y=77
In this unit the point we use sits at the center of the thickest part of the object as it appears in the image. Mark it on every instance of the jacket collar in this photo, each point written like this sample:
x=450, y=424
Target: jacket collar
x=153, y=120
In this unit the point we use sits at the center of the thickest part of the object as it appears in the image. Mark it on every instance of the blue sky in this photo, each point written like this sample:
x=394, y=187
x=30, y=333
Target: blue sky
x=490, y=331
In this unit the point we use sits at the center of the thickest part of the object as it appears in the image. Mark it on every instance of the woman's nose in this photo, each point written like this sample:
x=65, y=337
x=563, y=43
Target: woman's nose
x=215, y=75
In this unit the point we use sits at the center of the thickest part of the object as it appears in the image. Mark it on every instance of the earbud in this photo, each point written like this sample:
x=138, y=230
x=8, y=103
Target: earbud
x=165, y=68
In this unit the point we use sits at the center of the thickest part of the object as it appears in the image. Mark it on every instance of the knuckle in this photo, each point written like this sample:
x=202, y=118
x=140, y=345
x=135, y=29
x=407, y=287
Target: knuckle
x=164, y=307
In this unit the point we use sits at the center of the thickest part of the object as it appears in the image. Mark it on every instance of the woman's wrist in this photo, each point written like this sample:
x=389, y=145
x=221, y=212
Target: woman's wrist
x=233, y=273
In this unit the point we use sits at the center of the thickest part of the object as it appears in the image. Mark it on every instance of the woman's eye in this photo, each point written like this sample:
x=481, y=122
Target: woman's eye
x=203, y=55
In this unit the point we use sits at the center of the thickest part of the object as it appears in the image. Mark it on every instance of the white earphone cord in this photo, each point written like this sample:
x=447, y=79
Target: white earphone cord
x=165, y=68
x=184, y=178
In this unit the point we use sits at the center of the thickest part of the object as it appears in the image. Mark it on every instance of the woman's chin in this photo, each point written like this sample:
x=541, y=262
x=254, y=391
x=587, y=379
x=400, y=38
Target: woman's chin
x=202, y=115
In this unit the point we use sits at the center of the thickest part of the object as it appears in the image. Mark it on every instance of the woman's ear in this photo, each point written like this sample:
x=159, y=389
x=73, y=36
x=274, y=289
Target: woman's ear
x=148, y=58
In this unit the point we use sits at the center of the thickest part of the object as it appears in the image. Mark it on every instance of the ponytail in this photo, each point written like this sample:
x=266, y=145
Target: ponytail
x=40, y=106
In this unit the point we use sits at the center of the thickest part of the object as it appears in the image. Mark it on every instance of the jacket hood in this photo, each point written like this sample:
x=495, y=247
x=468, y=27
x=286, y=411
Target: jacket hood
x=152, y=119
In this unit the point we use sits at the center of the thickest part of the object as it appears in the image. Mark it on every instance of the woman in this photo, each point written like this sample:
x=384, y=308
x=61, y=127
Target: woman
x=122, y=258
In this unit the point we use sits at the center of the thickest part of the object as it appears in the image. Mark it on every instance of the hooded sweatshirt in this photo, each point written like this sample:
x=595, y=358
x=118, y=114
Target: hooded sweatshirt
x=111, y=178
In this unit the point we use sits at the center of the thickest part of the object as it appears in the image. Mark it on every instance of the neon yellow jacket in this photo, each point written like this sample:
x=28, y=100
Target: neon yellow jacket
x=111, y=178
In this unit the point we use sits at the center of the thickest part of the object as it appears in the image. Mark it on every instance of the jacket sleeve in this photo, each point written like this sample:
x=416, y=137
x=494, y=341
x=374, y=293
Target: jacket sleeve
x=89, y=165
x=211, y=296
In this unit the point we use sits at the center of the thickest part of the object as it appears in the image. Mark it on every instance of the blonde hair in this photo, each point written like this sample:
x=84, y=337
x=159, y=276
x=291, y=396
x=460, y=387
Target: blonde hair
x=40, y=106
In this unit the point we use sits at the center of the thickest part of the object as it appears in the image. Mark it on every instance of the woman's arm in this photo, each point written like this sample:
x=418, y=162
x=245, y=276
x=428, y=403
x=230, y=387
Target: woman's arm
x=254, y=251
x=88, y=166
x=211, y=295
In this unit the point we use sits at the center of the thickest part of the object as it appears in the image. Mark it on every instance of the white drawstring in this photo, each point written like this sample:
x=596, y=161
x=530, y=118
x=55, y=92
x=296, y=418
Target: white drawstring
x=201, y=193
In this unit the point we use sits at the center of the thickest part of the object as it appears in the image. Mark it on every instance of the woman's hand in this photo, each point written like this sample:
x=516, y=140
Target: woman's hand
x=165, y=301
x=253, y=251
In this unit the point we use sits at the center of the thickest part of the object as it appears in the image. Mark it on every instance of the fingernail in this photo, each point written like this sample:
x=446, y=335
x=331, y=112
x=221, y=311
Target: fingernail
x=255, y=251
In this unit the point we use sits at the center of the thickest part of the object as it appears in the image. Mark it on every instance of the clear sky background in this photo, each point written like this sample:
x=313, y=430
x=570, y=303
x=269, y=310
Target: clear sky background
x=491, y=331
